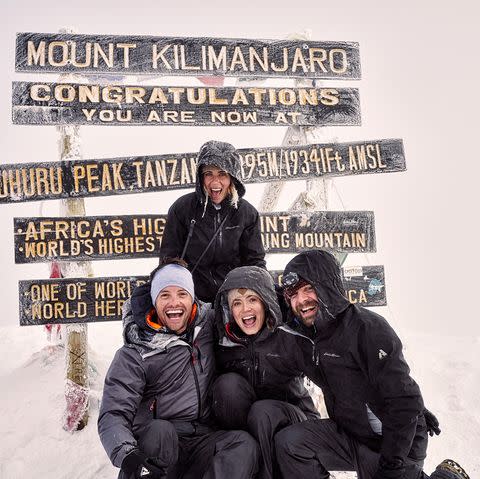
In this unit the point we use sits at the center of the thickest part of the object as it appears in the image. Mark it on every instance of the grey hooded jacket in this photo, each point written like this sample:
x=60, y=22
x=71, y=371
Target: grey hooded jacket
x=239, y=242
x=155, y=375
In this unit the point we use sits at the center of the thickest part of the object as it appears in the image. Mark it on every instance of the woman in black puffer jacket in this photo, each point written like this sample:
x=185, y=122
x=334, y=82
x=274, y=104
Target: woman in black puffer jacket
x=261, y=383
x=216, y=204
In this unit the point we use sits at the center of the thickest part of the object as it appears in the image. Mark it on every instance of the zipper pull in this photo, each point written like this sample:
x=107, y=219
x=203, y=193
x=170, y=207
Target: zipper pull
x=198, y=357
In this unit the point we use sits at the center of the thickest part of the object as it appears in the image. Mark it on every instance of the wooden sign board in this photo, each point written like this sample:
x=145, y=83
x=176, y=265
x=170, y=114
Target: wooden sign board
x=86, y=104
x=139, y=236
x=74, y=300
x=118, y=176
x=86, y=300
x=364, y=285
x=64, y=52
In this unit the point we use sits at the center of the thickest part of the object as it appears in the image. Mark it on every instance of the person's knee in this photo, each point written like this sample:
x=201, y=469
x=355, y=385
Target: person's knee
x=232, y=399
x=230, y=386
x=263, y=415
x=158, y=439
x=288, y=441
x=247, y=444
x=262, y=408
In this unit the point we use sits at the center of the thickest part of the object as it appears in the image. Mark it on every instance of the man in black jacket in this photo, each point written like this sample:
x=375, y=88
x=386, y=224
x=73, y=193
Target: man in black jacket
x=155, y=418
x=376, y=422
x=214, y=229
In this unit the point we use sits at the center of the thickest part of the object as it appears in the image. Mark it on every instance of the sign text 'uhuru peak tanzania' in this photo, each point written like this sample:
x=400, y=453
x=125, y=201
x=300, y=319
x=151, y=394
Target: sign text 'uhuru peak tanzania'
x=142, y=174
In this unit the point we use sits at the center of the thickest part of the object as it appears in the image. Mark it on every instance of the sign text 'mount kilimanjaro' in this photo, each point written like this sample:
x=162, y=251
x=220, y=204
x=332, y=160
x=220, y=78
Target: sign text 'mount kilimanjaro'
x=85, y=300
x=85, y=104
x=116, y=176
x=139, y=236
x=65, y=52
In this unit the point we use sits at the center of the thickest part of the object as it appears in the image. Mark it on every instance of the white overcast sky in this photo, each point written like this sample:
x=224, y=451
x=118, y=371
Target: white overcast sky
x=419, y=82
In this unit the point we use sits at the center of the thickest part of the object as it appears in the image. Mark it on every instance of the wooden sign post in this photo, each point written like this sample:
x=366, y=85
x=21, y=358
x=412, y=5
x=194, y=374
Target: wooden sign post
x=76, y=345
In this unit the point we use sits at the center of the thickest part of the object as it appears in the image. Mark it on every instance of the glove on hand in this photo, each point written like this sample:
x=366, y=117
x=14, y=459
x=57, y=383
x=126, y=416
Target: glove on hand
x=390, y=470
x=432, y=423
x=141, y=466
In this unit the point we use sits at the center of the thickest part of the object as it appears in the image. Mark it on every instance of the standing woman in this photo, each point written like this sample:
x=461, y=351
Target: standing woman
x=214, y=229
x=260, y=387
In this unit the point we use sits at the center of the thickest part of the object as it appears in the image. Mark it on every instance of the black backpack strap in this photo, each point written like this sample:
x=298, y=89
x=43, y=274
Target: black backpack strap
x=210, y=242
x=189, y=237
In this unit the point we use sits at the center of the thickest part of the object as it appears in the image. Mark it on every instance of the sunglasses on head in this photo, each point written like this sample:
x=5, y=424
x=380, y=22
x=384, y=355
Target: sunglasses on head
x=290, y=280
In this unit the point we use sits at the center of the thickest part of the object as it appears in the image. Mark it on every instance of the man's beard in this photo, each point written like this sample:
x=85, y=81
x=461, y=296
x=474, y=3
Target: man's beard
x=306, y=314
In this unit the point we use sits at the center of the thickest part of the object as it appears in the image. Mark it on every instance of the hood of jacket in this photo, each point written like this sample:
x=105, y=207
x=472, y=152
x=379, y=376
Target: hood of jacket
x=323, y=272
x=222, y=155
x=138, y=335
x=256, y=279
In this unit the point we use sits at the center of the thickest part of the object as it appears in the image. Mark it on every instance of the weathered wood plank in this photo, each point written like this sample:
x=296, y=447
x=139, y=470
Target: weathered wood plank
x=85, y=104
x=139, y=236
x=122, y=54
x=85, y=300
x=118, y=176
x=74, y=300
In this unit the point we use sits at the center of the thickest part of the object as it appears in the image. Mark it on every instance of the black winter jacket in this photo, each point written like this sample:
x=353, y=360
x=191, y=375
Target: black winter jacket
x=356, y=358
x=239, y=242
x=270, y=360
x=155, y=375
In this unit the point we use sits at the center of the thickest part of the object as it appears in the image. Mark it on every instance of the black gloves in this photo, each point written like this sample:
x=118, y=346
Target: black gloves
x=390, y=470
x=432, y=423
x=141, y=466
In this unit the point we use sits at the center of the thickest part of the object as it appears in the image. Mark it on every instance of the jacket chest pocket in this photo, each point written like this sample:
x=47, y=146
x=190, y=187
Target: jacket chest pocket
x=277, y=370
x=342, y=373
x=230, y=237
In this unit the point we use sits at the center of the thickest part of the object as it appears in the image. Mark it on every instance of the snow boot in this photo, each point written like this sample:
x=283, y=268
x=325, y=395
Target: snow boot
x=449, y=469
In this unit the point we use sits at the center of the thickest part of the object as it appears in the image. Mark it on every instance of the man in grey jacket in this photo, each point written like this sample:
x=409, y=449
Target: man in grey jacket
x=155, y=419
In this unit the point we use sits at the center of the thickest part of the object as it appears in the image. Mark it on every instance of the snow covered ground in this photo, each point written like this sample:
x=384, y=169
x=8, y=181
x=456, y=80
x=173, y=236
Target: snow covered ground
x=34, y=445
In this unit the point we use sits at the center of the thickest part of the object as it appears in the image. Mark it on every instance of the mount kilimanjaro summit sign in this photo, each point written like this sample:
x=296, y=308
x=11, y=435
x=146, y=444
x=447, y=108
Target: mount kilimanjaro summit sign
x=115, y=54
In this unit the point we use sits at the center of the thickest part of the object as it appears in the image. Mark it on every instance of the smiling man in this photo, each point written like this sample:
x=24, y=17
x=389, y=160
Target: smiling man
x=155, y=419
x=377, y=423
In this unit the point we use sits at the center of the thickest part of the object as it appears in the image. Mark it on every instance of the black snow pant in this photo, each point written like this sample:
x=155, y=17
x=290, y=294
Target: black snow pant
x=313, y=448
x=236, y=406
x=199, y=452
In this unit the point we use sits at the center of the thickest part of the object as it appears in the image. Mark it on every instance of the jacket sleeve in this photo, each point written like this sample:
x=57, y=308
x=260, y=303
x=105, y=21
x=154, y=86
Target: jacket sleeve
x=122, y=393
x=252, y=252
x=174, y=234
x=399, y=395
